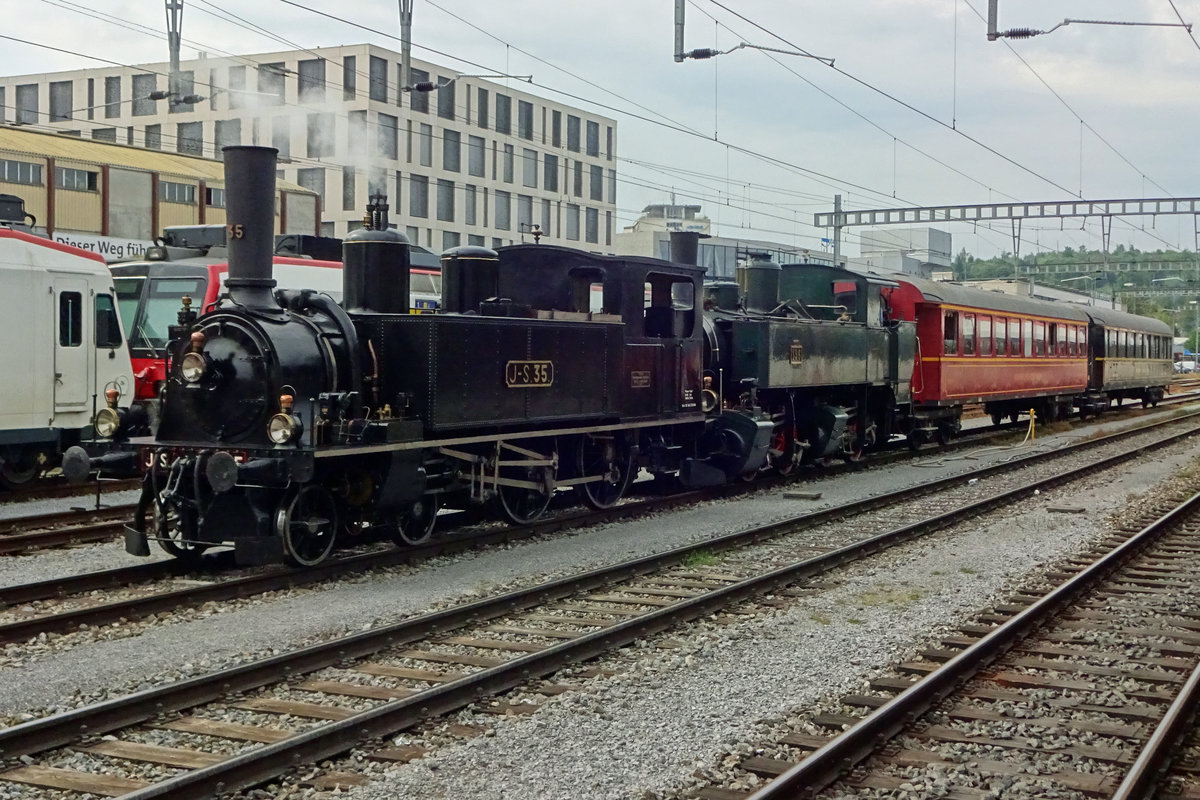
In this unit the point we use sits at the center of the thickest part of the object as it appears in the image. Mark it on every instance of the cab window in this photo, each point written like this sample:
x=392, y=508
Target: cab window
x=670, y=306
x=70, y=319
x=108, y=326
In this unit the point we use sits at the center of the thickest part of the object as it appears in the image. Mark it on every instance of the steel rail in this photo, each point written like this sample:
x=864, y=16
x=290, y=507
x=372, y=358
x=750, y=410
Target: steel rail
x=12, y=525
x=265, y=763
x=1177, y=723
x=831, y=761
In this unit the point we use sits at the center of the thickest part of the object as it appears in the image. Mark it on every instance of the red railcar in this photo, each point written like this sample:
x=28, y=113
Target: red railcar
x=1008, y=352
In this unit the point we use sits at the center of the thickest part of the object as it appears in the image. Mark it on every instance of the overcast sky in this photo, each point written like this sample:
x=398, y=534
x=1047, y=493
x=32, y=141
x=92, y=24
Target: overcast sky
x=1099, y=112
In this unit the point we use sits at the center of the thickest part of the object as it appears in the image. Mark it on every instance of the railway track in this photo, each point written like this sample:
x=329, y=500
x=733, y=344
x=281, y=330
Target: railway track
x=78, y=526
x=62, y=605
x=310, y=704
x=1088, y=689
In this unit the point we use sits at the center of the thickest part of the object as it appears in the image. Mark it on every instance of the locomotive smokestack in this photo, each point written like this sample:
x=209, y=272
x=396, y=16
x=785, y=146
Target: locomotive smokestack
x=250, y=225
x=685, y=246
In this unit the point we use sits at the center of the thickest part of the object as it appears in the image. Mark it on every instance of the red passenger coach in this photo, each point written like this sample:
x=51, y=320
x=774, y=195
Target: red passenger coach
x=1008, y=352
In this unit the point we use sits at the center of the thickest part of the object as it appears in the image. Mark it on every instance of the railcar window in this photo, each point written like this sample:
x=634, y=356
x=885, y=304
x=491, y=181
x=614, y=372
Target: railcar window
x=1039, y=338
x=129, y=294
x=1027, y=335
x=161, y=309
x=70, y=319
x=1141, y=345
x=1052, y=330
x=108, y=330
x=985, y=336
x=950, y=333
x=1110, y=343
x=1122, y=344
x=968, y=334
x=1014, y=337
x=1001, y=336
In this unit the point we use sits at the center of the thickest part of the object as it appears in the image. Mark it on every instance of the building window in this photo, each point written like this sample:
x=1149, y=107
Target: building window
x=573, y=133
x=22, y=172
x=445, y=201
x=475, y=240
x=524, y=119
x=475, y=156
x=445, y=98
x=556, y=129
x=62, y=98
x=503, y=114
x=524, y=212
x=418, y=196
x=395, y=196
x=311, y=79
x=577, y=179
x=356, y=122
x=593, y=138
x=229, y=133
x=572, y=222
x=281, y=136
x=482, y=113
x=313, y=179
x=187, y=86
x=349, y=76
x=612, y=186
x=27, y=104
x=189, y=138
x=214, y=198
x=469, y=204
x=451, y=150
x=170, y=192
x=425, y=145
x=76, y=180
x=420, y=100
x=450, y=239
x=105, y=134
x=379, y=81
x=507, y=166
x=112, y=97
x=154, y=137
x=609, y=133
x=237, y=87
x=389, y=130
x=596, y=182
x=529, y=167
x=348, y=189
x=503, y=210
x=591, y=225
x=271, y=84
x=550, y=173
x=143, y=86
x=320, y=135
x=3, y=107
x=546, y=218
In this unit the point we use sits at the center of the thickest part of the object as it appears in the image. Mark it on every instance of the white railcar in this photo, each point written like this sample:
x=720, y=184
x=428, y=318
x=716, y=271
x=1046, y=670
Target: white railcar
x=66, y=349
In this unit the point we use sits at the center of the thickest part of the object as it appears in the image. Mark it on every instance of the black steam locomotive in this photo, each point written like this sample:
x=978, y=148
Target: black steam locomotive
x=288, y=419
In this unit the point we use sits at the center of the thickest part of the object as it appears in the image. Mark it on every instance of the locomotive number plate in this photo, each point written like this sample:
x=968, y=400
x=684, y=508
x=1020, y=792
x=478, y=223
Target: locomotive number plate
x=795, y=354
x=639, y=379
x=521, y=374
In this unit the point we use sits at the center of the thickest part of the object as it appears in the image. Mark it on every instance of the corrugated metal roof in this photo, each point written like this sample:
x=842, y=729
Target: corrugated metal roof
x=56, y=145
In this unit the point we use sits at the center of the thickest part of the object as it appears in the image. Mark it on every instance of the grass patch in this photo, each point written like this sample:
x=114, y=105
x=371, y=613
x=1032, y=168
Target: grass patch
x=888, y=596
x=966, y=571
x=856, y=621
x=700, y=558
x=820, y=619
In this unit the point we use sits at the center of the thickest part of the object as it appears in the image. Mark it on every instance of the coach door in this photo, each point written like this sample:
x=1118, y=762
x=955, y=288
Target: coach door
x=70, y=353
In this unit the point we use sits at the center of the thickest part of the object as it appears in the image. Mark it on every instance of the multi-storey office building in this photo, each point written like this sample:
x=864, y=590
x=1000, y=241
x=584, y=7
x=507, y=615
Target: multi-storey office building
x=474, y=162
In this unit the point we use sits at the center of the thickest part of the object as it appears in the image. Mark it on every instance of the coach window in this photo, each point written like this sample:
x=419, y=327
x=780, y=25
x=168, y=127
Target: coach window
x=1001, y=336
x=950, y=333
x=1039, y=338
x=968, y=334
x=1141, y=345
x=983, y=328
x=108, y=329
x=70, y=319
x=1014, y=337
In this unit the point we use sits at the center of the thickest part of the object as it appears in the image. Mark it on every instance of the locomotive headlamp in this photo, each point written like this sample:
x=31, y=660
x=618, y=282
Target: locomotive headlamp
x=107, y=422
x=193, y=367
x=283, y=427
